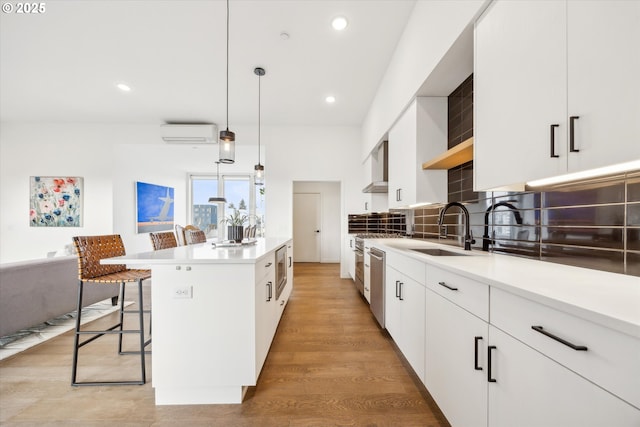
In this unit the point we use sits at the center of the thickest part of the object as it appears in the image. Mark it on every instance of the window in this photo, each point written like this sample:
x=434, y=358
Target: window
x=237, y=189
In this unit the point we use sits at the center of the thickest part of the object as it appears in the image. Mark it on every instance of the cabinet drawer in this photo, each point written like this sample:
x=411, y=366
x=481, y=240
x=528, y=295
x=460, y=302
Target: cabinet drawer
x=467, y=293
x=610, y=359
x=410, y=267
x=265, y=266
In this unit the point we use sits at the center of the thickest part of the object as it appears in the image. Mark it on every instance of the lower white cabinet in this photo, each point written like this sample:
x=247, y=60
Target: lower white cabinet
x=405, y=316
x=529, y=389
x=491, y=358
x=267, y=316
x=456, y=364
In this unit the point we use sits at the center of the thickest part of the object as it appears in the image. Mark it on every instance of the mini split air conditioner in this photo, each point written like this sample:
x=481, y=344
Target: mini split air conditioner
x=189, y=133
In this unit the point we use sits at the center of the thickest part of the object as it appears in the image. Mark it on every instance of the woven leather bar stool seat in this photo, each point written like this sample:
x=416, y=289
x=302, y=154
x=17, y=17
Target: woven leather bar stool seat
x=90, y=250
x=194, y=236
x=163, y=240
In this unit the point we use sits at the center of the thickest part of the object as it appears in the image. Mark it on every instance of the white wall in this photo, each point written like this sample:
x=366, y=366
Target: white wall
x=432, y=29
x=311, y=153
x=329, y=216
x=111, y=158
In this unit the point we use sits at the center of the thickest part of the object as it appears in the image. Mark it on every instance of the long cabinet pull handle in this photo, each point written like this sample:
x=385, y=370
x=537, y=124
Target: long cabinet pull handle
x=475, y=354
x=572, y=135
x=270, y=293
x=451, y=288
x=552, y=139
x=400, y=294
x=289, y=261
x=560, y=340
x=489, y=376
x=397, y=292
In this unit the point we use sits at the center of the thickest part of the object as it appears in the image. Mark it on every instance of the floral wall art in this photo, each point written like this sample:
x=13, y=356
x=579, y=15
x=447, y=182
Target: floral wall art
x=55, y=201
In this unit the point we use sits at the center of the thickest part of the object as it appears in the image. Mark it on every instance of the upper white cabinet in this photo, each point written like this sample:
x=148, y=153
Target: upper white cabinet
x=419, y=134
x=556, y=89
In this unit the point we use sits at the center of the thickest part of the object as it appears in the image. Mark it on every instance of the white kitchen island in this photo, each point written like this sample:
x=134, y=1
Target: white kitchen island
x=214, y=315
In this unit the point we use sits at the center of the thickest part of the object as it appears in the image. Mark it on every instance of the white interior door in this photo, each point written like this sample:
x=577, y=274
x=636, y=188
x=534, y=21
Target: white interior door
x=306, y=227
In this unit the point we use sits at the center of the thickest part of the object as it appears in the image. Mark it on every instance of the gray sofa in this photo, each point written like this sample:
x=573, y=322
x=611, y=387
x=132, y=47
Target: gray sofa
x=34, y=291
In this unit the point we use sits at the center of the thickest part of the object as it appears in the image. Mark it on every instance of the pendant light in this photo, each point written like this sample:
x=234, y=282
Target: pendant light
x=227, y=138
x=217, y=199
x=259, y=178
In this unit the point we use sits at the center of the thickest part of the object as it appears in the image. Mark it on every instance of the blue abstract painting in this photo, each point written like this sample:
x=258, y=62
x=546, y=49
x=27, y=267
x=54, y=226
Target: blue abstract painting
x=154, y=207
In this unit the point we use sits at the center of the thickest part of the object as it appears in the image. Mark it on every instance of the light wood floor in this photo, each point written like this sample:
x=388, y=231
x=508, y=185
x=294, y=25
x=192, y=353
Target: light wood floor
x=329, y=365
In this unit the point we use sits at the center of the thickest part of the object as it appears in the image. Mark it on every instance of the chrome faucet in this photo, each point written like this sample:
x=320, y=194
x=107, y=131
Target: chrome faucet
x=485, y=236
x=468, y=237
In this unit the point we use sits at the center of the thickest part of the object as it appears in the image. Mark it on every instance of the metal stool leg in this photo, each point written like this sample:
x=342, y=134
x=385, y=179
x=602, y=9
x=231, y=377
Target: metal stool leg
x=142, y=344
x=76, y=338
x=123, y=287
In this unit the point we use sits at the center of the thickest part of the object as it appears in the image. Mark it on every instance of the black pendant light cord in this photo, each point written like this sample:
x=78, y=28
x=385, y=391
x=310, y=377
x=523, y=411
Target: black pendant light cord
x=227, y=65
x=259, y=114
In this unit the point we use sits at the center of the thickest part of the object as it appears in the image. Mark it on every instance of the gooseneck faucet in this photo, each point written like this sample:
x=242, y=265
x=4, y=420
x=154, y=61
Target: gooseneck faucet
x=485, y=236
x=468, y=238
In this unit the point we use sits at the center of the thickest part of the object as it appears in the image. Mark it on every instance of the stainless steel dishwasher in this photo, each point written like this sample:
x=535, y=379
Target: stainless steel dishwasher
x=377, y=284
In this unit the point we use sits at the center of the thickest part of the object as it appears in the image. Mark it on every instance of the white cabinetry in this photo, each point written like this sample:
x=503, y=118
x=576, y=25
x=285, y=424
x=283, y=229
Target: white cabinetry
x=266, y=308
x=542, y=68
x=456, y=340
x=405, y=310
x=419, y=134
x=531, y=390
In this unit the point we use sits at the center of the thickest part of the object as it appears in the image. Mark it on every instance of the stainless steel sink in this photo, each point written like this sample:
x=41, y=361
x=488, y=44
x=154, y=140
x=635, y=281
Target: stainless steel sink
x=438, y=252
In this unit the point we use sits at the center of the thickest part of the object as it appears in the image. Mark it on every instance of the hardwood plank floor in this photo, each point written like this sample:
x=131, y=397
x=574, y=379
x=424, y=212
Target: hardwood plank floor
x=329, y=365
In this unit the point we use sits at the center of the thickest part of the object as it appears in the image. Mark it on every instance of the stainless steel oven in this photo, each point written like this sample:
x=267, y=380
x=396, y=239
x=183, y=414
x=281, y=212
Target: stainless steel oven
x=281, y=270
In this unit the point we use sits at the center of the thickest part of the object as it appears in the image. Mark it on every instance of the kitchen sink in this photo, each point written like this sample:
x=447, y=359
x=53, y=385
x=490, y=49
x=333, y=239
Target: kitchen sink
x=438, y=252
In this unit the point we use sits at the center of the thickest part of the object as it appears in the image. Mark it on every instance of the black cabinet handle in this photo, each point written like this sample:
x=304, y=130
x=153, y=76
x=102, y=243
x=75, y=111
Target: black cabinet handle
x=489, y=377
x=397, y=294
x=268, y=265
x=400, y=295
x=475, y=354
x=290, y=261
x=451, y=288
x=572, y=142
x=399, y=194
x=553, y=141
x=270, y=292
x=560, y=340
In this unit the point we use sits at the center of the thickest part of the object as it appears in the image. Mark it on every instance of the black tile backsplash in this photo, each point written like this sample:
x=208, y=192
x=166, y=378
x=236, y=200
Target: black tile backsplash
x=593, y=224
x=460, y=113
x=377, y=223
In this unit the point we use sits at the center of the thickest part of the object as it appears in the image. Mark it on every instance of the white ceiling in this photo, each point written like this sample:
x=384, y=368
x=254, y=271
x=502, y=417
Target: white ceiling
x=62, y=65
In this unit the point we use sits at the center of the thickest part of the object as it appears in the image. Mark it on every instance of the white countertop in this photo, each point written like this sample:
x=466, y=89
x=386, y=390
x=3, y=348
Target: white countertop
x=203, y=253
x=609, y=299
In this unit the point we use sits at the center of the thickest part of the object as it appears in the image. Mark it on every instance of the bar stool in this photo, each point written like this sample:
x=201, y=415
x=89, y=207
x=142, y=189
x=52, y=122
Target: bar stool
x=194, y=236
x=90, y=250
x=163, y=240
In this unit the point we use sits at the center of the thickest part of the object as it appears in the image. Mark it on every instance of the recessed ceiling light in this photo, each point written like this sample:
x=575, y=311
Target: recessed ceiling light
x=339, y=23
x=123, y=87
x=330, y=99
